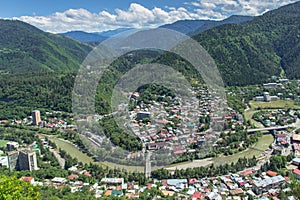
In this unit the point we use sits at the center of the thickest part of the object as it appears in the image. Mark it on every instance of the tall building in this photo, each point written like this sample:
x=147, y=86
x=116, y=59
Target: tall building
x=36, y=117
x=13, y=158
x=27, y=161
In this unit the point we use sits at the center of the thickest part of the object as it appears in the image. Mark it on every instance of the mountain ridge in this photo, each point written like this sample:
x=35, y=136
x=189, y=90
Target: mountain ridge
x=24, y=47
x=252, y=52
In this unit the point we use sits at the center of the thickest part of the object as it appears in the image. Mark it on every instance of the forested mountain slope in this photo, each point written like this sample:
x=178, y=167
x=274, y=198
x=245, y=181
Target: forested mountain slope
x=25, y=48
x=252, y=52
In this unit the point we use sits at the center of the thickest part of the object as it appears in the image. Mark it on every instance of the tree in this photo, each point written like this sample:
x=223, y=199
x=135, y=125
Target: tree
x=11, y=188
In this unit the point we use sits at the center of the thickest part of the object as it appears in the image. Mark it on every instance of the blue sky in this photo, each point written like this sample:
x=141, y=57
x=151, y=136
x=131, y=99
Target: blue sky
x=99, y=15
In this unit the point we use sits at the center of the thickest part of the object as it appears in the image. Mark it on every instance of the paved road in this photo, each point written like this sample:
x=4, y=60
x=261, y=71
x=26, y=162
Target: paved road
x=269, y=128
x=60, y=160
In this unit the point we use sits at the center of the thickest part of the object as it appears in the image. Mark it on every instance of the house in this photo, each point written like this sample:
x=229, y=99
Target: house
x=177, y=183
x=72, y=176
x=113, y=181
x=296, y=172
x=28, y=179
x=296, y=138
x=271, y=173
x=280, y=137
x=296, y=161
x=260, y=186
x=197, y=196
x=237, y=191
x=4, y=161
x=168, y=193
x=59, y=180
x=247, y=172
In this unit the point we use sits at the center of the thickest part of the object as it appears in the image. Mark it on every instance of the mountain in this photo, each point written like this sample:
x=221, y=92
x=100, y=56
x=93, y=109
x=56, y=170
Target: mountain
x=111, y=33
x=234, y=19
x=84, y=36
x=95, y=37
x=185, y=26
x=25, y=48
x=193, y=27
x=252, y=52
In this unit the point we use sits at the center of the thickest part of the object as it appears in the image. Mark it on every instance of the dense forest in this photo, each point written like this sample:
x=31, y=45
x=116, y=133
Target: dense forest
x=252, y=52
x=248, y=53
x=24, y=48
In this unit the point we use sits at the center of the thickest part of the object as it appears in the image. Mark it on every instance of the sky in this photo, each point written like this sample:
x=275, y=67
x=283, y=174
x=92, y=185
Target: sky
x=58, y=16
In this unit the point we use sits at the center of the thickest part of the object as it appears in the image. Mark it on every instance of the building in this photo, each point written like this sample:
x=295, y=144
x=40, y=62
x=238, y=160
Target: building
x=270, y=85
x=12, y=146
x=59, y=180
x=27, y=161
x=142, y=115
x=296, y=172
x=36, y=117
x=296, y=138
x=264, y=185
x=296, y=161
x=13, y=158
x=113, y=181
x=27, y=179
x=266, y=97
x=4, y=161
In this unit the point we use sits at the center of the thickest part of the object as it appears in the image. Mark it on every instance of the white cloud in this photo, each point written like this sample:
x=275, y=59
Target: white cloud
x=238, y=7
x=138, y=16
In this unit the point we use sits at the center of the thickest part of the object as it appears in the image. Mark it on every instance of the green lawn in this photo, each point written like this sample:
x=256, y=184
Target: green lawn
x=72, y=150
x=256, y=150
x=274, y=104
x=248, y=116
x=84, y=158
x=263, y=143
x=3, y=143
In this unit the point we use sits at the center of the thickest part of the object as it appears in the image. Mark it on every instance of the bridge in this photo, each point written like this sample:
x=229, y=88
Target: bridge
x=269, y=128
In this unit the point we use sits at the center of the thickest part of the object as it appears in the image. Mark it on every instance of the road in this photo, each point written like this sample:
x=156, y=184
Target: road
x=269, y=128
x=60, y=160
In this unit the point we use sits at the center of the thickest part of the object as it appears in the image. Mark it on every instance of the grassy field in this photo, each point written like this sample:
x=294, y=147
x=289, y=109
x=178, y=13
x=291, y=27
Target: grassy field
x=256, y=150
x=3, y=143
x=84, y=158
x=72, y=150
x=263, y=143
x=248, y=116
x=273, y=105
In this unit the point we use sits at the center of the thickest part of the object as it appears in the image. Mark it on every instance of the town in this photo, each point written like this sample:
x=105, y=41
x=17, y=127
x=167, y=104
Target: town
x=269, y=174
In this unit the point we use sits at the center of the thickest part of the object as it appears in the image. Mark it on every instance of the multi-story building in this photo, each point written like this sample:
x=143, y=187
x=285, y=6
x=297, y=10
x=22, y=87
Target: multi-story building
x=27, y=161
x=36, y=117
x=13, y=158
x=264, y=185
x=22, y=160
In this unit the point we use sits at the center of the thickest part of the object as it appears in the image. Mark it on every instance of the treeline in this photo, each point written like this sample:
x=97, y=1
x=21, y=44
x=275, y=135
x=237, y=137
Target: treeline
x=118, y=136
x=228, y=144
x=22, y=93
x=24, y=48
x=202, y=172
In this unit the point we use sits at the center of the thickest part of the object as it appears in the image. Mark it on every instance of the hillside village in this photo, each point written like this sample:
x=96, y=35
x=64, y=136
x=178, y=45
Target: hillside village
x=65, y=134
x=259, y=181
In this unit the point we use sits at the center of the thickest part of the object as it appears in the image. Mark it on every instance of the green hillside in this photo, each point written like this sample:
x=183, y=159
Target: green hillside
x=25, y=48
x=245, y=54
x=253, y=52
